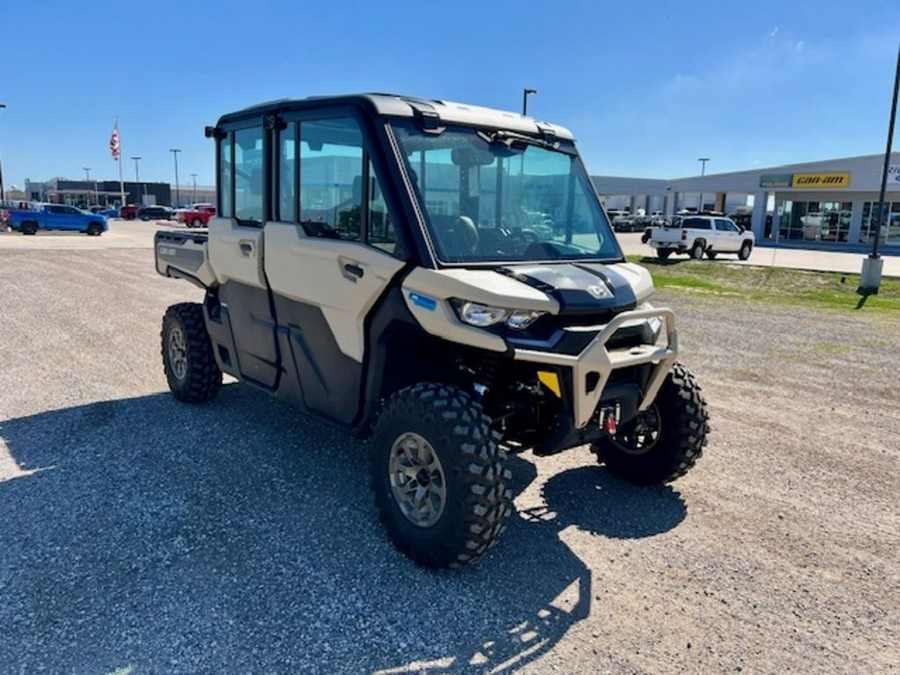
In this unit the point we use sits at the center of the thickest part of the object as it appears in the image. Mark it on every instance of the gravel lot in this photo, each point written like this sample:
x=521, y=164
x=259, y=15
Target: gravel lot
x=140, y=535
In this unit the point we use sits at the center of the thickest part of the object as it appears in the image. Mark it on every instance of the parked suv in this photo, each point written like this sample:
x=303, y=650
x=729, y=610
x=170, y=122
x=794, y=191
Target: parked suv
x=154, y=213
x=128, y=212
x=404, y=301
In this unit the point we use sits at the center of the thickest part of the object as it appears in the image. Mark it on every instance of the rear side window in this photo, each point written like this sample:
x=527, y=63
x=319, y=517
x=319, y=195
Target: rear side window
x=248, y=176
x=696, y=224
x=226, y=204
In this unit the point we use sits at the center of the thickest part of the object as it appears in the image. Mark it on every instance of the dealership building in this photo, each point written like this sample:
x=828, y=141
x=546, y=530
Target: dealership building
x=831, y=204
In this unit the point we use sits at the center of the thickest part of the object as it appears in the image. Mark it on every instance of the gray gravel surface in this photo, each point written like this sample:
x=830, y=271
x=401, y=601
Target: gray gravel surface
x=141, y=535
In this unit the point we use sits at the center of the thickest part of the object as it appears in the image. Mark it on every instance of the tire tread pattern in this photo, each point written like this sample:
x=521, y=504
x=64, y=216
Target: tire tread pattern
x=204, y=378
x=685, y=429
x=475, y=457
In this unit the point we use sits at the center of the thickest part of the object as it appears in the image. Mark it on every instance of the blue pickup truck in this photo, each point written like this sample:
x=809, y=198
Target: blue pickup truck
x=56, y=217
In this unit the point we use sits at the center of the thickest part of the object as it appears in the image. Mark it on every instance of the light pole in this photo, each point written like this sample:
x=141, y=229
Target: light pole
x=703, y=161
x=525, y=93
x=87, y=175
x=137, y=179
x=870, y=277
x=194, y=178
x=2, y=193
x=175, y=152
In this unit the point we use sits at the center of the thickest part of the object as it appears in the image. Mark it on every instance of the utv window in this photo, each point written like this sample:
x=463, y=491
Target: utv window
x=495, y=196
x=287, y=174
x=331, y=178
x=226, y=188
x=248, y=176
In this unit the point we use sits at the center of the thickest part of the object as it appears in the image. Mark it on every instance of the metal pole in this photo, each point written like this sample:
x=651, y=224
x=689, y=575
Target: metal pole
x=703, y=161
x=194, y=178
x=137, y=178
x=887, y=161
x=87, y=176
x=2, y=193
x=175, y=152
x=870, y=277
x=525, y=93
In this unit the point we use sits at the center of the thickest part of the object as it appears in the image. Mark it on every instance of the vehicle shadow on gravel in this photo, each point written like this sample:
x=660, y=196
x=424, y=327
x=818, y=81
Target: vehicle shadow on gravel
x=239, y=536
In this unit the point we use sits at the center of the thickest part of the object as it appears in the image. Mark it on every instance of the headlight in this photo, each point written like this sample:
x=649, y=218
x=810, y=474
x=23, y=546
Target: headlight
x=481, y=315
x=522, y=318
x=476, y=314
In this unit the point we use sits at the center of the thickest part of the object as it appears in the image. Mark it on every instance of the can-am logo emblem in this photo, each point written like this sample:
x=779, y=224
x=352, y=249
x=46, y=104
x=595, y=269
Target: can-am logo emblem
x=598, y=291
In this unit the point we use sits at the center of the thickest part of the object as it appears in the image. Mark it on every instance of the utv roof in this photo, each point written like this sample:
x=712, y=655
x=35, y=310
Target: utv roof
x=431, y=113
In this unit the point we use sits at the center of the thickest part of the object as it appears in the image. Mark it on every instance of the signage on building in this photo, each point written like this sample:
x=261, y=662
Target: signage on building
x=772, y=180
x=893, y=177
x=821, y=180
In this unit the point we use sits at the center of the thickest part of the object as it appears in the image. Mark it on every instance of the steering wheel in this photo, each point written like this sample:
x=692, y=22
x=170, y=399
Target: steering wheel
x=467, y=232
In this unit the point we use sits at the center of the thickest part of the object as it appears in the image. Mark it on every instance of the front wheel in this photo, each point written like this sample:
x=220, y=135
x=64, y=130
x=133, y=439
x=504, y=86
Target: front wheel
x=196, y=222
x=663, y=253
x=94, y=230
x=744, y=253
x=437, y=473
x=191, y=369
x=663, y=442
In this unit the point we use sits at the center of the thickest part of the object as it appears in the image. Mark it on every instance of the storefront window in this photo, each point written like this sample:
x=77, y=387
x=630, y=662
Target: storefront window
x=889, y=232
x=815, y=221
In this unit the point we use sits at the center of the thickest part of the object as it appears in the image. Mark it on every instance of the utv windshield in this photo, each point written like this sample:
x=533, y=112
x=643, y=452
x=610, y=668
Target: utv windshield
x=501, y=197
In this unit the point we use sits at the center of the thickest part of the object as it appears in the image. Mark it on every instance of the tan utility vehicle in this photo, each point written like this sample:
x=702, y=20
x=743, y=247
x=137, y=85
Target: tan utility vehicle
x=376, y=261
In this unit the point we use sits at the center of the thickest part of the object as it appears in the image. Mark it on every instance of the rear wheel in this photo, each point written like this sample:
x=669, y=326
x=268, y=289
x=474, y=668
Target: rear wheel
x=744, y=253
x=29, y=227
x=196, y=222
x=663, y=442
x=438, y=477
x=663, y=253
x=697, y=250
x=191, y=369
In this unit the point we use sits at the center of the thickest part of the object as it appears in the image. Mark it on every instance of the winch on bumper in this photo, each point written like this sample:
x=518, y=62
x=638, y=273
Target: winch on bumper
x=582, y=381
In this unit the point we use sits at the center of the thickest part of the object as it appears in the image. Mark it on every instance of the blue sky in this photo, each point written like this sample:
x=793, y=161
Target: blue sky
x=647, y=87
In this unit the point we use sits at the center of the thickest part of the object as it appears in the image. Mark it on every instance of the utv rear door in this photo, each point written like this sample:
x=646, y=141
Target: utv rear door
x=235, y=248
x=331, y=251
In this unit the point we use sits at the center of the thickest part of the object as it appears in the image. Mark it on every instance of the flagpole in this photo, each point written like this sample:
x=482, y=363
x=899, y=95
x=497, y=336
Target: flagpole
x=119, y=159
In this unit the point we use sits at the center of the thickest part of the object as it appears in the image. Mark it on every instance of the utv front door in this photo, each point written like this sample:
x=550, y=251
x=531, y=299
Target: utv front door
x=329, y=257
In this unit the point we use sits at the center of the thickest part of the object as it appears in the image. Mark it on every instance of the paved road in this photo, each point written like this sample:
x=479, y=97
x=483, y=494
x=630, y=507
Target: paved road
x=824, y=261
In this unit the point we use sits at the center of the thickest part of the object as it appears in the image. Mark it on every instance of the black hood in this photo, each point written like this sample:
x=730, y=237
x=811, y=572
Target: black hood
x=577, y=289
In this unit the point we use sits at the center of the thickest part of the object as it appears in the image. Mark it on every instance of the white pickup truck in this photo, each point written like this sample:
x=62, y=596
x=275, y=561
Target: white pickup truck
x=696, y=235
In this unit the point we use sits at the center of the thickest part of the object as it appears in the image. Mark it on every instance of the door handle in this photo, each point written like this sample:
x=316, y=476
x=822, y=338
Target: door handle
x=353, y=271
x=246, y=248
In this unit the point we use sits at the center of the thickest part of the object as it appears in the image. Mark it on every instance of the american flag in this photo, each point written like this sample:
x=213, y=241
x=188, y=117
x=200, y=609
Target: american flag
x=114, y=142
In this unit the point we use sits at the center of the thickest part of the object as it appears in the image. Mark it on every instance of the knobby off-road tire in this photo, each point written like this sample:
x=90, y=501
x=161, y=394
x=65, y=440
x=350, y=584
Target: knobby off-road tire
x=191, y=369
x=437, y=473
x=663, y=442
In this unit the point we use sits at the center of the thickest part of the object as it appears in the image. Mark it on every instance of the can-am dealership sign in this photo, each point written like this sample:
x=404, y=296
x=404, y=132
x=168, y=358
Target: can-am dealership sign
x=817, y=181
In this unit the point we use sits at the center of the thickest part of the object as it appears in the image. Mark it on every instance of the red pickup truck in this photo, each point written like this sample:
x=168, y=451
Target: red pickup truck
x=196, y=215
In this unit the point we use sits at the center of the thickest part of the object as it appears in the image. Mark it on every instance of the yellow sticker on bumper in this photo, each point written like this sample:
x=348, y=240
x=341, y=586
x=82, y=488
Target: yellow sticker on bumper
x=551, y=381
